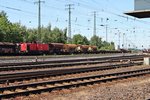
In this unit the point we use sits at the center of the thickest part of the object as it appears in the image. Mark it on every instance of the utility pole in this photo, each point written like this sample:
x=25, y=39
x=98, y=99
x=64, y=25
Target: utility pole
x=119, y=40
x=39, y=19
x=123, y=45
x=94, y=30
x=69, y=22
x=106, y=33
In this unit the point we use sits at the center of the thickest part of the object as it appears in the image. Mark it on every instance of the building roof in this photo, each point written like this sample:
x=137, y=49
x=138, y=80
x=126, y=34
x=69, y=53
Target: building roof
x=139, y=13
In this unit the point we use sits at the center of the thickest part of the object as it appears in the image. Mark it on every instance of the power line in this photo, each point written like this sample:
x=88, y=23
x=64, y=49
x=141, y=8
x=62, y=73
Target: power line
x=16, y=9
x=109, y=12
x=104, y=11
x=112, y=13
x=27, y=1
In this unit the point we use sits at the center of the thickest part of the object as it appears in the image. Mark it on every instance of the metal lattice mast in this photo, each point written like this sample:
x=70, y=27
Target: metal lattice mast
x=94, y=28
x=39, y=19
x=69, y=22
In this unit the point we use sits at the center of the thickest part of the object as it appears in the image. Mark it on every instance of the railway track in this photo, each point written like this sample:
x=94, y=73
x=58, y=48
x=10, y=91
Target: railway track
x=62, y=60
x=64, y=64
x=57, y=56
x=46, y=86
x=73, y=60
x=20, y=76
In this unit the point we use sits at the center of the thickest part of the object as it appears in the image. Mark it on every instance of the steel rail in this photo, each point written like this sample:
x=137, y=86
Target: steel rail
x=70, y=60
x=59, y=56
x=40, y=74
x=77, y=82
x=54, y=65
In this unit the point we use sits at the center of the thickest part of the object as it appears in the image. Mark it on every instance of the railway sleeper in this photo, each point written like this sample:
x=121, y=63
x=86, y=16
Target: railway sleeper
x=81, y=83
x=47, y=74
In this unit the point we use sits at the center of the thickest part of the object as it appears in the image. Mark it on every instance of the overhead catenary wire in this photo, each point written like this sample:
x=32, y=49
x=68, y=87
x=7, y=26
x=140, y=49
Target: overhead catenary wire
x=16, y=9
x=122, y=24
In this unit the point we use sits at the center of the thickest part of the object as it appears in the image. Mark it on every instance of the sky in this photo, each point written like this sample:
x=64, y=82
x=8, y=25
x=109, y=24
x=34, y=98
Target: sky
x=133, y=32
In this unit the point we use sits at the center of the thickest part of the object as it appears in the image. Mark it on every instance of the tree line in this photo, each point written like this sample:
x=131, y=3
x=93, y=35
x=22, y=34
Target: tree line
x=15, y=32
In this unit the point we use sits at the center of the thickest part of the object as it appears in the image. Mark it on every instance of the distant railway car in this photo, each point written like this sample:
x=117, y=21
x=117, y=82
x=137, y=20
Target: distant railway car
x=125, y=51
x=146, y=51
x=42, y=48
x=56, y=48
x=92, y=49
x=30, y=48
x=70, y=48
x=52, y=48
x=85, y=48
x=7, y=48
x=79, y=48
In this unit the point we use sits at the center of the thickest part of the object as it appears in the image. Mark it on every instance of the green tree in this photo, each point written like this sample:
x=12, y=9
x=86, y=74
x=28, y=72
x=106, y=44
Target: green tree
x=85, y=41
x=31, y=35
x=112, y=46
x=10, y=32
x=108, y=46
x=1, y=35
x=57, y=36
x=65, y=35
x=47, y=35
x=96, y=41
x=45, y=38
x=79, y=39
x=4, y=25
x=16, y=32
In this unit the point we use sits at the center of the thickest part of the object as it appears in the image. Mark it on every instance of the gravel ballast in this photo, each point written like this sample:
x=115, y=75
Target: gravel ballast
x=128, y=89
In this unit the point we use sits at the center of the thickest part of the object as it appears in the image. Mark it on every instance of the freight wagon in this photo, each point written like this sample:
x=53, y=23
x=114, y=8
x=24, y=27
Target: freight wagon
x=7, y=48
x=50, y=48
